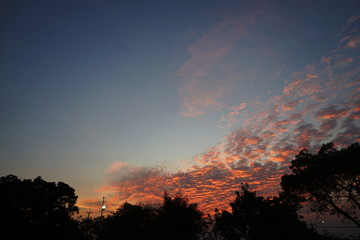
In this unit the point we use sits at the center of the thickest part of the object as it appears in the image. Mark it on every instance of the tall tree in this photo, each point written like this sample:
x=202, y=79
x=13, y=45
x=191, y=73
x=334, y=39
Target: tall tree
x=128, y=222
x=179, y=219
x=256, y=218
x=329, y=180
x=37, y=209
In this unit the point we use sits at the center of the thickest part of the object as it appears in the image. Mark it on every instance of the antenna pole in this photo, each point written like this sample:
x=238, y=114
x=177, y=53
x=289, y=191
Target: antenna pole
x=89, y=212
x=102, y=207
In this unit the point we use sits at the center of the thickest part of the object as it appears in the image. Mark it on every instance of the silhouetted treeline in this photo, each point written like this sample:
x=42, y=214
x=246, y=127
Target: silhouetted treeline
x=175, y=218
x=252, y=217
x=329, y=181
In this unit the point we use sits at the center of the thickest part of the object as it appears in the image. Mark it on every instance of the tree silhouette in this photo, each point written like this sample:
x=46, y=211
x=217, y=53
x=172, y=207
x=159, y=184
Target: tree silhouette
x=179, y=219
x=89, y=228
x=37, y=209
x=175, y=218
x=225, y=226
x=256, y=218
x=128, y=222
x=328, y=180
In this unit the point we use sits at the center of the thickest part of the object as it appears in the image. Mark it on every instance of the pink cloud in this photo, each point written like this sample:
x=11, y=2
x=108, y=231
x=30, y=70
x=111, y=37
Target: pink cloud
x=331, y=112
x=353, y=42
x=200, y=183
x=307, y=135
x=197, y=101
x=344, y=39
x=303, y=87
x=231, y=117
x=200, y=93
x=352, y=83
x=116, y=166
x=291, y=105
x=326, y=60
x=329, y=125
x=239, y=107
x=350, y=130
x=342, y=63
x=353, y=19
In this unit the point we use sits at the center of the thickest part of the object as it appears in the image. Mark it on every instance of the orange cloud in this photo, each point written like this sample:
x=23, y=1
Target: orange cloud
x=329, y=125
x=291, y=105
x=312, y=109
x=303, y=87
x=212, y=183
x=331, y=112
x=116, y=166
x=231, y=117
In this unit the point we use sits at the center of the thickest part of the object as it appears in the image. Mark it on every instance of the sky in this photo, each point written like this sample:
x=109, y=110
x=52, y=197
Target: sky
x=126, y=99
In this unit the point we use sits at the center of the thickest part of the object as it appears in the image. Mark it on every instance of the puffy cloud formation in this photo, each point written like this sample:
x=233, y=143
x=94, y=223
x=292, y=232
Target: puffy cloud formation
x=317, y=105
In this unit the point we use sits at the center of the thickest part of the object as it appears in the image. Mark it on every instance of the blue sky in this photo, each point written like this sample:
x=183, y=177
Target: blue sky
x=96, y=94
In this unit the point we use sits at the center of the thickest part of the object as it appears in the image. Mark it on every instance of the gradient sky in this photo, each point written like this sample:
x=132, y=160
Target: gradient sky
x=126, y=98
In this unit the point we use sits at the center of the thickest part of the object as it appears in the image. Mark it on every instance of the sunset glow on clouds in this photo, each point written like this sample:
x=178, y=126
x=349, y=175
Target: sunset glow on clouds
x=126, y=99
x=317, y=104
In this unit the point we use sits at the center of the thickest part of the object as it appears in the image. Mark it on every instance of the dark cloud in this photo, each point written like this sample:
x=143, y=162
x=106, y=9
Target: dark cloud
x=331, y=112
x=328, y=125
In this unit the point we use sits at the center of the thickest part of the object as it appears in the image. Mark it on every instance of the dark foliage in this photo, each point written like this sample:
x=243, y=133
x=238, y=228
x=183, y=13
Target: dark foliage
x=178, y=219
x=36, y=209
x=329, y=181
x=175, y=218
x=256, y=218
x=128, y=222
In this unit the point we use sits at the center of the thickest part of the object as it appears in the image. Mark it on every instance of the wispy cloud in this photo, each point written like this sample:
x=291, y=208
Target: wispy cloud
x=203, y=89
x=353, y=19
x=199, y=91
x=307, y=86
x=353, y=42
x=231, y=117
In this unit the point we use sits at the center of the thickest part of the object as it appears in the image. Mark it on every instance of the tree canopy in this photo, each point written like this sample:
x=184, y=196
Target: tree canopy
x=254, y=217
x=174, y=218
x=37, y=208
x=329, y=180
